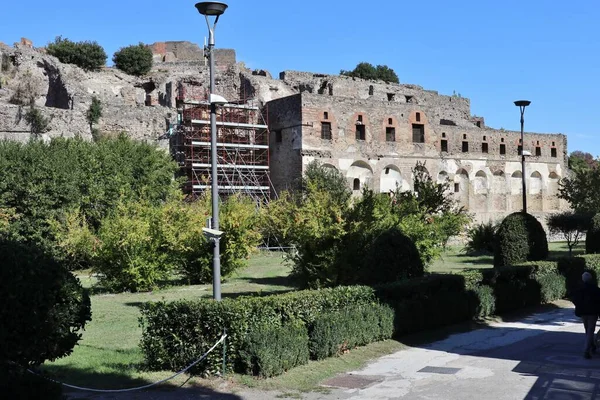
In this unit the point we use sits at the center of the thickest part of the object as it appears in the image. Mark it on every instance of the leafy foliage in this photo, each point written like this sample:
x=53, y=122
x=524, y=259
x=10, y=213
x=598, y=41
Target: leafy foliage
x=365, y=70
x=481, y=238
x=570, y=225
x=272, y=350
x=38, y=124
x=592, y=238
x=43, y=182
x=43, y=307
x=94, y=113
x=519, y=238
x=87, y=55
x=581, y=190
x=134, y=60
x=579, y=160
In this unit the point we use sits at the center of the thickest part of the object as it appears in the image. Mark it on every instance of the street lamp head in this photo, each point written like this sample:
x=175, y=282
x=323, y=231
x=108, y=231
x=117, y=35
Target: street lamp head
x=211, y=8
x=522, y=103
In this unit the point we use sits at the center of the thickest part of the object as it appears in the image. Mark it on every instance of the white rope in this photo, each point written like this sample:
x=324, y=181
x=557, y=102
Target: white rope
x=136, y=388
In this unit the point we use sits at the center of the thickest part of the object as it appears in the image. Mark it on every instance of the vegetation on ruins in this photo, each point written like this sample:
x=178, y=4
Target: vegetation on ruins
x=365, y=70
x=519, y=238
x=38, y=124
x=93, y=115
x=88, y=55
x=580, y=160
x=134, y=60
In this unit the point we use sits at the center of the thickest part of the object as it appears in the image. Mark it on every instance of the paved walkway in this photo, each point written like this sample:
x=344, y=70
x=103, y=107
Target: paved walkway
x=536, y=357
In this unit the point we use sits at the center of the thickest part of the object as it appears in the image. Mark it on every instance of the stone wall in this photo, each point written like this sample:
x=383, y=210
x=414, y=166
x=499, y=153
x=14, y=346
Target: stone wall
x=481, y=164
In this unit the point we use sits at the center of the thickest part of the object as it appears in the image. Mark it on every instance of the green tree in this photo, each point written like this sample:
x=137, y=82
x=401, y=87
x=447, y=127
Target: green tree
x=570, y=225
x=38, y=124
x=365, y=70
x=87, y=55
x=134, y=60
x=579, y=160
x=581, y=190
x=94, y=113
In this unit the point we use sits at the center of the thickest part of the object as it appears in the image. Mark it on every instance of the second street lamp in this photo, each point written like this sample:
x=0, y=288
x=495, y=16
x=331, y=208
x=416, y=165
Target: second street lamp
x=522, y=104
x=213, y=9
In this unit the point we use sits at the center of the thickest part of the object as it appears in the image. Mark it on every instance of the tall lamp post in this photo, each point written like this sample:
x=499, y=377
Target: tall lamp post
x=522, y=104
x=213, y=9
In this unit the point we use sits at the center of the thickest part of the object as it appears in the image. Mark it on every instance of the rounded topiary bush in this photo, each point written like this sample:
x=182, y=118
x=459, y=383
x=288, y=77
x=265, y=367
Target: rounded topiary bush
x=389, y=256
x=520, y=237
x=134, y=60
x=592, y=238
x=43, y=307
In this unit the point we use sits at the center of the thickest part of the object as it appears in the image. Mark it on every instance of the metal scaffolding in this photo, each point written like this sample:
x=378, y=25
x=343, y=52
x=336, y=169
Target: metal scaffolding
x=242, y=145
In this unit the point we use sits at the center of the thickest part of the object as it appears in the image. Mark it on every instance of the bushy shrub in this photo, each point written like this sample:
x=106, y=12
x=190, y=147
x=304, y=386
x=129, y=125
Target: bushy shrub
x=175, y=334
x=272, y=350
x=520, y=237
x=480, y=239
x=388, y=256
x=335, y=332
x=87, y=55
x=134, y=60
x=592, y=239
x=44, y=308
x=38, y=124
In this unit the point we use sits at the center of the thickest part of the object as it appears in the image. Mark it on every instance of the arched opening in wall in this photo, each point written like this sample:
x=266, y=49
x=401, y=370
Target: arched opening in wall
x=480, y=183
x=535, y=183
x=325, y=165
x=516, y=183
x=390, y=179
x=462, y=178
x=499, y=182
x=359, y=172
x=553, y=179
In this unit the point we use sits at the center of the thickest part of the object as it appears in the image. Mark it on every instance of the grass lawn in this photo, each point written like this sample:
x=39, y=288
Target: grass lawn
x=108, y=356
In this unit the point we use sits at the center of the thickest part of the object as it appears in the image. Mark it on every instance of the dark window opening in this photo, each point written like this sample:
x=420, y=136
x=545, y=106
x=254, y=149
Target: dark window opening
x=326, y=130
x=538, y=151
x=520, y=141
x=444, y=146
x=538, y=142
x=465, y=147
x=360, y=118
x=485, y=138
x=390, y=134
x=502, y=140
x=464, y=136
x=553, y=144
x=360, y=132
x=278, y=136
x=553, y=152
x=390, y=121
x=391, y=96
x=443, y=134
x=502, y=149
x=418, y=133
x=371, y=90
x=484, y=148
x=456, y=187
x=387, y=171
x=330, y=87
x=409, y=99
x=325, y=115
x=519, y=149
x=479, y=124
x=418, y=117
x=356, y=184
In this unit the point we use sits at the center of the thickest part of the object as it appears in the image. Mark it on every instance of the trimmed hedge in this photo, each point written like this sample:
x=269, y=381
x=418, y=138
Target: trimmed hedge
x=271, y=350
x=261, y=329
x=519, y=238
x=592, y=238
x=333, y=333
x=177, y=333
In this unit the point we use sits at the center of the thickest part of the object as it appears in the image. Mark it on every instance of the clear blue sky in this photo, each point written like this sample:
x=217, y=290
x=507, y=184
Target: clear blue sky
x=491, y=52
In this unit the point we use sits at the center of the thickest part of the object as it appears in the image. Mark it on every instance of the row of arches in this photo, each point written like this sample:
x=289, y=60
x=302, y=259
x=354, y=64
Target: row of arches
x=360, y=174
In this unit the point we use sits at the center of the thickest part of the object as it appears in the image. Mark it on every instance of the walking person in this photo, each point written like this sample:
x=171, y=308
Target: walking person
x=587, y=303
